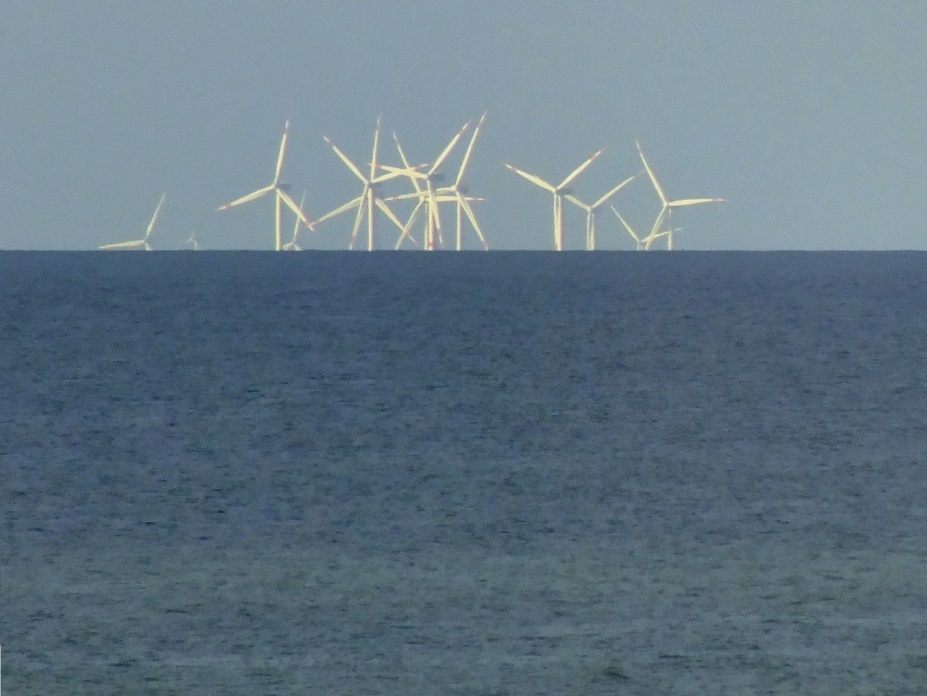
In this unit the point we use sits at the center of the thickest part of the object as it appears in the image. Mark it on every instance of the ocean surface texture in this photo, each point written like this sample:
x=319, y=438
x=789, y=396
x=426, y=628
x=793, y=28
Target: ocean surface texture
x=429, y=474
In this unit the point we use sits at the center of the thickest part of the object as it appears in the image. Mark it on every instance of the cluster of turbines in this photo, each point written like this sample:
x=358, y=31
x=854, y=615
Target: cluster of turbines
x=428, y=194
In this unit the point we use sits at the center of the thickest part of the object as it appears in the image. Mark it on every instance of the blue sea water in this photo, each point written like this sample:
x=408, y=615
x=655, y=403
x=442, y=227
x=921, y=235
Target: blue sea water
x=502, y=473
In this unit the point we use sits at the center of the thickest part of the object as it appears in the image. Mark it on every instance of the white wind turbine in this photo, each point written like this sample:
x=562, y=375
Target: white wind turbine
x=430, y=196
x=643, y=244
x=194, y=244
x=593, y=208
x=139, y=243
x=459, y=192
x=366, y=201
x=668, y=205
x=558, y=191
x=280, y=194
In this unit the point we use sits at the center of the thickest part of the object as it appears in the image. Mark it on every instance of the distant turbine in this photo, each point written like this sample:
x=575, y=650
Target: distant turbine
x=366, y=201
x=429, y=196
x=280, y=191
x=592, y=209
x=645, y=243
x=143, y=242
x=668, y=205
x=459, y=191
x=293, y=244
x=195, y=245
x=558, y=191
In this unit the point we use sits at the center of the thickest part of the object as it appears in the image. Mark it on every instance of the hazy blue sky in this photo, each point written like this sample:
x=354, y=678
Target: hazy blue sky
x=810, y=117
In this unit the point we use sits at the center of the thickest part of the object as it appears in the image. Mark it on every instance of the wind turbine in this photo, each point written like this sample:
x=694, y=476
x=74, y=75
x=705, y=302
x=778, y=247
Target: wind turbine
x=642, y=244
x=428, y=197
x=592, y=209
x=558, y=191
x=368, y=198
x=195, y=245
x=279, y=190
x=668, y=205
x=143, y=242
x=293, y=244
x=459, y=191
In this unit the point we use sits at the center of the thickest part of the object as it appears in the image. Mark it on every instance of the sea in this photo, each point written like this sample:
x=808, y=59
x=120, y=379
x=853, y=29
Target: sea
x=497, y=473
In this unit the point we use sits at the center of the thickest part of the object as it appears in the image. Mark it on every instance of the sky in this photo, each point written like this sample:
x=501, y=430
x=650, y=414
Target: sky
x=807, y=117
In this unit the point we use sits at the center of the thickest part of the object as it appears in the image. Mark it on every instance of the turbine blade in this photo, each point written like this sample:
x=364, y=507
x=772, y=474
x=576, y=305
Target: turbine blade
x=658, y=223
x=447, y=150
x=575, y=201
x=653, y=179
x=406, y=230
x=344, y=158
x=405, y=163
x=693, y=201
x=601, y=201
x=376, y=145
x=534, y=179
x=340, y=209
x=388, y=213
x=626, y=225
x=395, y=172
x=286, y=133
x=124, y=245
x=155, y=216
x=297, y=210
x=470, y=216
x=358, y=218
x=248, y=198
x=579, y=170
x=466, y=157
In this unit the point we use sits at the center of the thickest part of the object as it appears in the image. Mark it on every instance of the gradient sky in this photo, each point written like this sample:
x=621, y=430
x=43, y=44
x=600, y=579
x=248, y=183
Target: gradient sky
x=809, y=117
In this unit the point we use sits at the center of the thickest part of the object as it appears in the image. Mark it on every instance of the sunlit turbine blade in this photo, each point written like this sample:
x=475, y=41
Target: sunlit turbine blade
x=124, y=245
x=396, y=172
x=575, y=201
x=406, y=230
x=469, y=212
x=405, y=163
x=249, y=197
x=653, y=179
x=357, y=220
x=693, y=201
x=389, y=213
x=340, y=209
x=447, y=150
x=534, y=179
x=286, y=133
x=469, y=151
x=611, y=193
x=344, y=158
x=155, y=216
x=626, y=225
x=579, y=170
x=297, y=210
x=376, y=145
x=658, y=223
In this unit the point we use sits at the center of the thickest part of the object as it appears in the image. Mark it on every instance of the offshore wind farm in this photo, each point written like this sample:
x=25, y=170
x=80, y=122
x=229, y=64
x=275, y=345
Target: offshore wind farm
x=425, y=194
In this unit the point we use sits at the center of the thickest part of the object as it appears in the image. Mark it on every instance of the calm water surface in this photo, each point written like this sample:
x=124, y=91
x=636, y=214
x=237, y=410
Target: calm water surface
x=504, y=473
